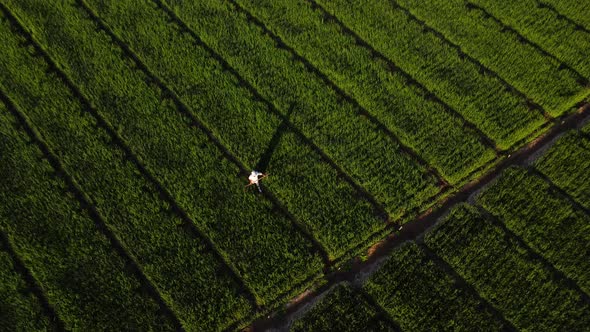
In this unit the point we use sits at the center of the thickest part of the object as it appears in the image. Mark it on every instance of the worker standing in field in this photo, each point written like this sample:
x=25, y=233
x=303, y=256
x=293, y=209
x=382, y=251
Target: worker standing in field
x=254, y=178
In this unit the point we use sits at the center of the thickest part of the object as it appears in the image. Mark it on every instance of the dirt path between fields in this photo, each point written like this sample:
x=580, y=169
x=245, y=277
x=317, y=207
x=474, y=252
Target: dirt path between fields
x=377, y=254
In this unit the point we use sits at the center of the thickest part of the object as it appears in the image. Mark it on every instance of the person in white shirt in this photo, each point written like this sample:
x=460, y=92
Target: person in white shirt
x=254, y=178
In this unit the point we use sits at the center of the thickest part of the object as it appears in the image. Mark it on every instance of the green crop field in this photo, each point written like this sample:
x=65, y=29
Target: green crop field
x=128, y=130
x=517, y=259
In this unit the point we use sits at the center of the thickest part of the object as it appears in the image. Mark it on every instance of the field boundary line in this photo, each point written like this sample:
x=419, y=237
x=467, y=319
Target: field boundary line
x=531, y=104
x=196, y=122
x=560, y=16
x=508, y=28
x=465, y=285
x=27, y=276
x=85, y=203
x=130, y=156
x=272, y=108
x=555, y=272
x=281, y=44
x=392, y=67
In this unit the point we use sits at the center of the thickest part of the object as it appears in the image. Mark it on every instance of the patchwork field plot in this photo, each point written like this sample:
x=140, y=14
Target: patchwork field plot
x=515, y=260
x=344, y=309
x=128, y=130
x=418, y=292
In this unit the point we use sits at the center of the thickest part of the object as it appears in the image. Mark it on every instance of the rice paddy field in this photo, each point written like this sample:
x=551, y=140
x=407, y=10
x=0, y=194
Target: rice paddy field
x=452, y=132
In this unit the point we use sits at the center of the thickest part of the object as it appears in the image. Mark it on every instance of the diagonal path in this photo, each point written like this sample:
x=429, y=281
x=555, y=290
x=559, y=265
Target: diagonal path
x=417, y=227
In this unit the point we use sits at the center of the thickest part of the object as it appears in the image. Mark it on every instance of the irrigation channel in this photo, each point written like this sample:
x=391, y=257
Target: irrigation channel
x=360, y=270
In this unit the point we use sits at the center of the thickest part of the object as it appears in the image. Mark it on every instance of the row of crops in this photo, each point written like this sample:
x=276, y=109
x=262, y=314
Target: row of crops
x=128, y=127
x=515, y=259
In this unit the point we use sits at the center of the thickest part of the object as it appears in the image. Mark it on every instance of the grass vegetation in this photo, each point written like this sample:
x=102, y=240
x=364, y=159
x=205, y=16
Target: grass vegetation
x=479, y=96
x=567, y=165
x=129, y=204
x=343, y=309
x=520, y=286
x=80, y=274
x=128, y=129
x=505, y=52
x=558, y=36
x=417, y=292
x=20, y=308
x=383, y=92
x=543, y=217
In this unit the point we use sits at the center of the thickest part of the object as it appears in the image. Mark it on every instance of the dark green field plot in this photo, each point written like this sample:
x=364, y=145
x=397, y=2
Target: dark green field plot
x=20, y=310
x=419, y=294
x=567, y=165
x=544, y=218
x=83, y=278
x=343, y=309
x=507, y=275
x=129, y=128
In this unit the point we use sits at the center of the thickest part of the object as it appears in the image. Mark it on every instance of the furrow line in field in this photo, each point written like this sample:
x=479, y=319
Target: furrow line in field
x=348, y=98
x=116, y=139
x=561, y=16
x=194, y=121
x=393, y=67
x=85, y=202
x=532, y=253
x=380, y=310
x=258, y=96
x=507, y=28
x=533, y=171
x=462, y=283
x=532, y=105
x=27, y=276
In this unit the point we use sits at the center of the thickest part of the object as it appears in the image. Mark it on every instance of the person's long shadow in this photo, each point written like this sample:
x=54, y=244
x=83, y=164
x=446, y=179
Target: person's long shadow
x=264, y=161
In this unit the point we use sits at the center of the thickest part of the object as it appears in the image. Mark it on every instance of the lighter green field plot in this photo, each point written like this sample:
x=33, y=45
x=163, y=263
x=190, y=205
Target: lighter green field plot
x=395, y=178
x=575, y=10
x=523, y=289
x=557, y=36
x=535, y=211
x=19, y=308
x=342, y=309
x=328, y=206
x=480, y=98
x=520, y=63
x=382, y=92
x=418, y=293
